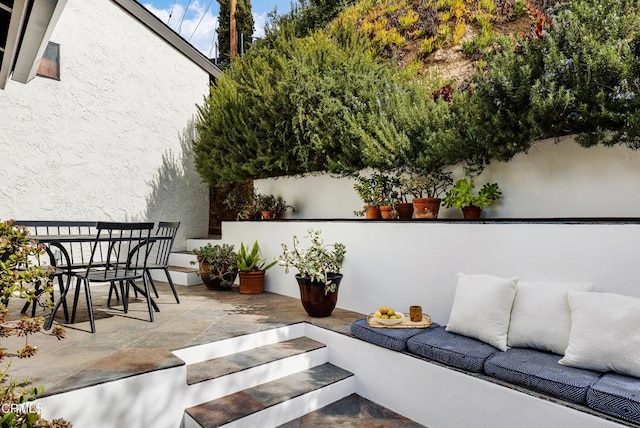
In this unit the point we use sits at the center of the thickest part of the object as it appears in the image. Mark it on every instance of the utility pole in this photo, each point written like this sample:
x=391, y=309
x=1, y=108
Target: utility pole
x=233, y=35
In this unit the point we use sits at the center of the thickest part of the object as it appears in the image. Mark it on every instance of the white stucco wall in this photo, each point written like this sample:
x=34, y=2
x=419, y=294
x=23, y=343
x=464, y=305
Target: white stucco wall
x=415, y=263
x=103, y=142
x=552, y=180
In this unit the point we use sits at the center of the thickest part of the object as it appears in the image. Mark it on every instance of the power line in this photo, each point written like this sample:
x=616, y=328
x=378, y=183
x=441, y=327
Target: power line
x=201, y=18
x=183, y=16
x=171, y=12
x=213, y=40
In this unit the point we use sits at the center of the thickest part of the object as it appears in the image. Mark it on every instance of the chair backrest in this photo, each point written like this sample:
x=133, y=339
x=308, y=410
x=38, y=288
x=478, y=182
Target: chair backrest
x=166, y=231
x=77, y=254
x=128, y=247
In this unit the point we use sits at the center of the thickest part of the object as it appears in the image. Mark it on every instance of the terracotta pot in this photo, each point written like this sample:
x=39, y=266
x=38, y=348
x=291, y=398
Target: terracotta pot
x=251, y=282
x=471, y=212
x=314, y=300
x=268, y=215
x=215, y=283
x=426, y=207
x=387, y=212
x=405, y=211
x=372, y=212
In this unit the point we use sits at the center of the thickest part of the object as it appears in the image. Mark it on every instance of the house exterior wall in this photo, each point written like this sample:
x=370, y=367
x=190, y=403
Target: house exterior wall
x=103, y=143
x=552, y=180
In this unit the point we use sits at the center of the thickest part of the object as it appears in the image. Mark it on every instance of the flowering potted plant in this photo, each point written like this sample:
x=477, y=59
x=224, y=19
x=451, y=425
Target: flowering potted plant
x=251, y=269
x=319, y=272
x=218, y=265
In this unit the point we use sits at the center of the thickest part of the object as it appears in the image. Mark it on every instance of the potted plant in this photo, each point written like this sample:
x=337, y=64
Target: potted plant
x=281, y=206
x=374, y=191
x=218, y=265
x=461, y=196
x=319, y=272
x=426, y=189
x=244, y=205
x=271, y=206
x=266, y=206
x=251, y=269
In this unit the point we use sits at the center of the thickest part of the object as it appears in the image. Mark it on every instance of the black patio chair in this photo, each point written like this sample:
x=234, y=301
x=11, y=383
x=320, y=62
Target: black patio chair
x=66, y=257
x=128, y=251
x=164, y=236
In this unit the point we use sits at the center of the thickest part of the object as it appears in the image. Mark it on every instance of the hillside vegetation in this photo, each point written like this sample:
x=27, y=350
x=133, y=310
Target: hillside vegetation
x=418, y=86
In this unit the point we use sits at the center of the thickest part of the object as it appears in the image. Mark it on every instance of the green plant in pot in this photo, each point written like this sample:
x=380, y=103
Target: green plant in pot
x=218, y=265
x=462, y=197
x=319, y=272
x=251, y=269
x=271, y=206
x=374, y=191
x=266, y=205
x=244, y=205
x=426, y=189
x=281, y=206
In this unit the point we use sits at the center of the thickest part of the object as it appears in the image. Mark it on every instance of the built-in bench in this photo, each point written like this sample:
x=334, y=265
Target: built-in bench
x=609, y=393
x=598, y=392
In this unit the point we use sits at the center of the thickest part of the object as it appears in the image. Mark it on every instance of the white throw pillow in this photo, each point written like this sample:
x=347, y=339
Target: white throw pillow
x=605, y=333
x=482, y=307
x=541, y=318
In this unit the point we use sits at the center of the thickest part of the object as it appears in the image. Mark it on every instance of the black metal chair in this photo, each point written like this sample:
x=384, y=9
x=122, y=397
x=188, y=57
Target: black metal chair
x=128, y=250
x=164, y=236
x=66, y=258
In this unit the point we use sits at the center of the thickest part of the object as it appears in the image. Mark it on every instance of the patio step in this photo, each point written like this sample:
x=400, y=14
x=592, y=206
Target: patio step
x=227, y=365
x=276, y=402
x=181, y=270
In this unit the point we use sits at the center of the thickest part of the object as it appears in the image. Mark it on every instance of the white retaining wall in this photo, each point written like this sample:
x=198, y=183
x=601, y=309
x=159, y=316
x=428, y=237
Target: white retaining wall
x=415, y=263
x=552, y=180
x=103, y=142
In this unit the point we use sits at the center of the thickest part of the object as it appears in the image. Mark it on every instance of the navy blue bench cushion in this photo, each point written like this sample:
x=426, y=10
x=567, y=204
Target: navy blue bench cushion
x=540, y=371
x=392, y=338
x=616, y=395
x=451, y=349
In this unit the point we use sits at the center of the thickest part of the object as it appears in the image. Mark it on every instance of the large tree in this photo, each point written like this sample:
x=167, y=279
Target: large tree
x=244, y=28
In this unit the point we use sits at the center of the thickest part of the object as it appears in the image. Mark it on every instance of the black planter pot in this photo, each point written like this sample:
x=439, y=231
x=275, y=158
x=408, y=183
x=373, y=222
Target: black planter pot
x=216, y=283
x=314, y=300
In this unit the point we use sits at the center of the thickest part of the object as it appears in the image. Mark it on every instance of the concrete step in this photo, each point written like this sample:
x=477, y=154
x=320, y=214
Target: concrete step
x=193, y=243
x=275, y=402
x=227, y=365
x=179, y=274
x=183, y=259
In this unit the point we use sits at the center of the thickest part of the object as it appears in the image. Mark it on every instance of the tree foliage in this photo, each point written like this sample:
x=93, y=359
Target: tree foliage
x=326, y=102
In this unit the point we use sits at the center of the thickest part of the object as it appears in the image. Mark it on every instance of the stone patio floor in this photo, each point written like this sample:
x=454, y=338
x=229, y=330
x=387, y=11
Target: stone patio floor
x=128, y=344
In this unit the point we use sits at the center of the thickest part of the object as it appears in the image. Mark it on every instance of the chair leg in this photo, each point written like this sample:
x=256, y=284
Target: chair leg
x=125, y=297
x=112, y=289
x=61, y=301
x=170, y=281
x=153, y=285
x=148, y=296
x=87, y=293
x=62, y=296
x=76, y=295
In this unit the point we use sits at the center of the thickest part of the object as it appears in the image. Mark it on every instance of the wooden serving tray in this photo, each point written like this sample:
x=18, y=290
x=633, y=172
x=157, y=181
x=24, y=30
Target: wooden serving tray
x=405, y=323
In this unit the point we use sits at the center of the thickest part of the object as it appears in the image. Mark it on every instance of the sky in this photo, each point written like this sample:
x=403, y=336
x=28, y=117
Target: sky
x=199, y=22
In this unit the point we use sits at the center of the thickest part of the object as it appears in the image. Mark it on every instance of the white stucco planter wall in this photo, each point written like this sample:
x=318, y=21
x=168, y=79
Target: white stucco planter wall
x=416, y=263
x=103, y=142
x=552, y=180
